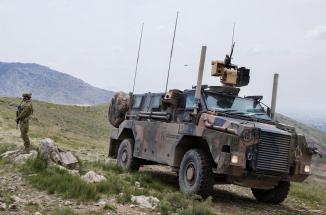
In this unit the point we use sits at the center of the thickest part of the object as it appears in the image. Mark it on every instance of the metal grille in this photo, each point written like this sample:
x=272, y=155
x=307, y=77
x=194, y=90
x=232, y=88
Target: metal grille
x=273, y=153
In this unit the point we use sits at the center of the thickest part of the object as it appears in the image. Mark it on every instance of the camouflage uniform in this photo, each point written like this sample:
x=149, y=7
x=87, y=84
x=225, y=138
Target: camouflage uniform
x=24, y=112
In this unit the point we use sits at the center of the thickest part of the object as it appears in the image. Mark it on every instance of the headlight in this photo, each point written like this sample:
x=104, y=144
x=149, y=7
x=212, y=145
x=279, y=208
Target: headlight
x=306, y=168
x=234, y=159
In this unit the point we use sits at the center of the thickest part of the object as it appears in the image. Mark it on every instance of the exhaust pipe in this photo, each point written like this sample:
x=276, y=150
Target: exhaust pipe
x=274, y=95
x=199, y=79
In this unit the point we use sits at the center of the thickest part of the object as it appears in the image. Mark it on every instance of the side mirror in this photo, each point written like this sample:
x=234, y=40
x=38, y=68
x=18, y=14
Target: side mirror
x=269, y=112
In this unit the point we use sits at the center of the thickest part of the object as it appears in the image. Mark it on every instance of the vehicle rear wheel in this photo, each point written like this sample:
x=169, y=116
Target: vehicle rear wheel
x=125, y=157
x=195, y=174
x=276, y=195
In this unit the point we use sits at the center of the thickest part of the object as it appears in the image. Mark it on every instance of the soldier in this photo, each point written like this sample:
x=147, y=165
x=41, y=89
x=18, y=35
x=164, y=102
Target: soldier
x=24, y=111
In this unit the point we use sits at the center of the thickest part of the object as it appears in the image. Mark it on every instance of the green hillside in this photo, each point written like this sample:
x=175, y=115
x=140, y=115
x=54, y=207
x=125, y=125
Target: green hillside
x=70, y=125
x=86, y=130
x=312, y=134
x=87, y=126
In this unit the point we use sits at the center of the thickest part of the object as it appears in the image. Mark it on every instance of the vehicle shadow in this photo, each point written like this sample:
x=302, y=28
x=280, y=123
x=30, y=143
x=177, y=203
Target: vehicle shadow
x=227, y=201
x=248, y=204
x=165, y=177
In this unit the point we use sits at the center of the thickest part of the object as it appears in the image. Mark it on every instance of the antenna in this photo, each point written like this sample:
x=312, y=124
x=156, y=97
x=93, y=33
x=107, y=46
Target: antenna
x=228, y=58
x=233, y=43
x=175, y=29
x=141, y=37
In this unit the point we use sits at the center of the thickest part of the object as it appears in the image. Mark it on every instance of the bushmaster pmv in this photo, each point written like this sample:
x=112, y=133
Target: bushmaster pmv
x=210, y=135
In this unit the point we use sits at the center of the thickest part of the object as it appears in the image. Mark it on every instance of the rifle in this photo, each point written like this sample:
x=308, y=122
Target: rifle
x=17, y=114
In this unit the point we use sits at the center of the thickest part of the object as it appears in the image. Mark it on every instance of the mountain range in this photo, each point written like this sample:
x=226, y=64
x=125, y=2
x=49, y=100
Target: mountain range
x=48, y=85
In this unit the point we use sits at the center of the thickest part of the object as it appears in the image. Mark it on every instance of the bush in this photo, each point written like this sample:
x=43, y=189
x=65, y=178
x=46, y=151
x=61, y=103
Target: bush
x=59, y=181
x=119, y=182
x=165, y=207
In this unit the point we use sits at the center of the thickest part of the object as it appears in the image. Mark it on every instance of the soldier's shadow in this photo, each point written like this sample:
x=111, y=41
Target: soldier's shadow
x=223, y=197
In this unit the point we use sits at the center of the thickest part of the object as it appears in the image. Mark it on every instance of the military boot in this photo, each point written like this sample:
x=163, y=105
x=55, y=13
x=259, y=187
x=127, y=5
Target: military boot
x=26, y=150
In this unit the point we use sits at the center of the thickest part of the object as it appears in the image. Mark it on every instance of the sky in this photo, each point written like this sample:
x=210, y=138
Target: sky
x=97, y=41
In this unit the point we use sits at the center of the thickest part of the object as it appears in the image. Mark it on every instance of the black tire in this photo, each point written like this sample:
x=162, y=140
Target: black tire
x=275, y=196
x=125, y=157
x=196, y=173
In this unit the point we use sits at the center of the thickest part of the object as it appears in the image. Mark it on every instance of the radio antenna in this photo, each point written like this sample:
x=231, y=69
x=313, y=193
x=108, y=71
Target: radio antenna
x=228, y=58
x=168, y=75
x=140, y=40
x=233, y=43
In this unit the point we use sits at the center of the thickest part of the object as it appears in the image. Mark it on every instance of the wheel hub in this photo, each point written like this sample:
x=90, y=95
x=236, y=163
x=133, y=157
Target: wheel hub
x=124, y=156
x=190, y=173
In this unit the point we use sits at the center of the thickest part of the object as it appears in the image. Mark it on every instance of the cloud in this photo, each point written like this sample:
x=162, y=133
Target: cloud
x=260, y=49
x=255, y=50
x=160, y=27
x=319, y=33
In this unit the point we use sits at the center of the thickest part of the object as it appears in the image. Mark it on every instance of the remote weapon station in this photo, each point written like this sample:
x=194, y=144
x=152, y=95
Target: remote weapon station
x=210, y=135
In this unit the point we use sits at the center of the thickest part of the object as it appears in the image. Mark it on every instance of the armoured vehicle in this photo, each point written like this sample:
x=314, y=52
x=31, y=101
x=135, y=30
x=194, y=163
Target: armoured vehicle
x=210, y=135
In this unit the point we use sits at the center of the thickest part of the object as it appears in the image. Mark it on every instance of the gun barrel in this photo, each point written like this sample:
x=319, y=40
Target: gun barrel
x=274, y=95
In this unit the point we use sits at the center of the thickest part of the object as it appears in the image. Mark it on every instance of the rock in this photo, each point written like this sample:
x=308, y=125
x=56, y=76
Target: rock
x=66, y=203
x=13, y=206
x=68, y=160
x=22, y=158
x=101, y=203
x=50, y=150
x=137, y=184
x=132, y=206
x=72, y=172
x=149, y=202
x=16, y=199
x=9, y=154
x=37, y=213
x=93, y=177
x=112, y=201
x=12, y=188
x=3, y=206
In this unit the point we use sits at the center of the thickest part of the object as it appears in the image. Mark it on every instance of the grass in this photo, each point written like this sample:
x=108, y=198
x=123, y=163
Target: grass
x=70, y=125
x=6, y=147
x=120, y=184
x=312, y=194
x=110, y=207
x=74, y=127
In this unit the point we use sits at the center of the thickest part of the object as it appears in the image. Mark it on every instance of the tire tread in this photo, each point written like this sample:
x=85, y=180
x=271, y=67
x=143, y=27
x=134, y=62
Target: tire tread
x=275, y=196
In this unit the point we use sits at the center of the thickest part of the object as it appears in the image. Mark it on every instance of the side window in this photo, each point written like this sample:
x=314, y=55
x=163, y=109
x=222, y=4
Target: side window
x=137, y=101
x=190, y=101
x=155, y=101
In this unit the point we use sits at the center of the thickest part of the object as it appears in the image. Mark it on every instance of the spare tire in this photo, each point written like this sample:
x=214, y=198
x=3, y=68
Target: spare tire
x=119, y=106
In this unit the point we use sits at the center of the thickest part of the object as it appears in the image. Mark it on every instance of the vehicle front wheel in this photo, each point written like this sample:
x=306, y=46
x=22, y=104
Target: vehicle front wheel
x=125, y=157
x=276, y=195
x=196, y=174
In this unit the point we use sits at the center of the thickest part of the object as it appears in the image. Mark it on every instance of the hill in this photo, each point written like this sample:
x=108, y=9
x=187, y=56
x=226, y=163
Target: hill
x=48, y=85
x=80, y=128
x=312, y=134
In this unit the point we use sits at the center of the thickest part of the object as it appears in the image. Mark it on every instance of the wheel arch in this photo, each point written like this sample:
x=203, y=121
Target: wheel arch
x=115, y=142
x=190, y=142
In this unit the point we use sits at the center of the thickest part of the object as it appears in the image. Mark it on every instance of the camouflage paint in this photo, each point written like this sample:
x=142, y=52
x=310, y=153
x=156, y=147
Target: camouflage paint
x=160, y=141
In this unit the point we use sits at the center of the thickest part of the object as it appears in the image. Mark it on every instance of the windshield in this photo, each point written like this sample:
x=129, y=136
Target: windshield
x=235, y=106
